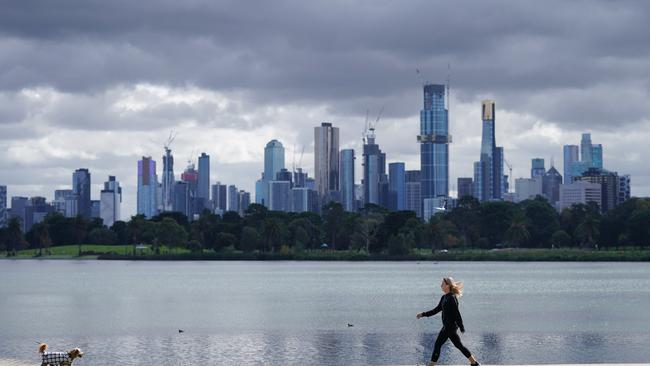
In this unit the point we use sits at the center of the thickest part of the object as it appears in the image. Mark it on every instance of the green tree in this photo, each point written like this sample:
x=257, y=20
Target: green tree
x=250, y=239
x=121, y=230
x=561, y=239
x=496, y=217
x=102, y=236
x=15, y=239
x=400, y=244
x=224, y=240
x=517, y=234
x=542, y=221
x=638, y=227
x=80, y=231
x=272, y=234
x=170, y=234
x=587, y=232
x=333, y=221
x=136, y=228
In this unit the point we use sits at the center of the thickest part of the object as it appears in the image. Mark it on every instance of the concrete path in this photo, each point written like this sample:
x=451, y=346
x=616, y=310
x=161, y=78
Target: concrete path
x=13, y=362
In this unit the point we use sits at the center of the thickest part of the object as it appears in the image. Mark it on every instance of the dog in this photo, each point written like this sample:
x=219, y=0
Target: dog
x=58, y=358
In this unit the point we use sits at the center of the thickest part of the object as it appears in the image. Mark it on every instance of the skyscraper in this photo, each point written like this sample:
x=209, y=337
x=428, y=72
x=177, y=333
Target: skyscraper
x=81, y=187
x=537, y=169
x=273, y=159
x=434, y=142
x=608, y=181
x=624, y=191
x=219, y=198
x=464, y=187
x=168, y=180
x=489, y=182
x=413, y=192
x=244, y=201
x=196, y=204
x=148, y=188
x=203, y=190
x=597, y=156
x=397, y=186
x=4, y=217
x=181, y=199
x=278, y=197
x=347, y=179
x=571, y=155
x=326, y=162
x=374, y=170
x=551, y=182
x=233, y=198
x=110, y=200
x=586, y=149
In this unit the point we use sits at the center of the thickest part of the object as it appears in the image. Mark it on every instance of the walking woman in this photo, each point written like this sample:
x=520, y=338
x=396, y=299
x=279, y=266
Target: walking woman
x=451, y=320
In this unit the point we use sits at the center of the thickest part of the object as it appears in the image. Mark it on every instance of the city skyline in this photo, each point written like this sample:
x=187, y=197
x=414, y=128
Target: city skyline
x=71, y=113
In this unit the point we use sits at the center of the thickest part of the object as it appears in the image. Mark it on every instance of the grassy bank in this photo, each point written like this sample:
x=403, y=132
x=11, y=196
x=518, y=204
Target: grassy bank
x=125, y=252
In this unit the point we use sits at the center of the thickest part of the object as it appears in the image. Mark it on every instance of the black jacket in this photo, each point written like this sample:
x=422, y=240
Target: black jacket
x=450, y=314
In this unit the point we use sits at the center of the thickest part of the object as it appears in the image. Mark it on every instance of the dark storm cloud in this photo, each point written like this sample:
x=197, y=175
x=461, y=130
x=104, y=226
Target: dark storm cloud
x=345, y=55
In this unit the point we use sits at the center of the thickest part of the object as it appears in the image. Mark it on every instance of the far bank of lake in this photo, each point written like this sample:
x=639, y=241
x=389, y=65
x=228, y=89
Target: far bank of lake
x=125, y=252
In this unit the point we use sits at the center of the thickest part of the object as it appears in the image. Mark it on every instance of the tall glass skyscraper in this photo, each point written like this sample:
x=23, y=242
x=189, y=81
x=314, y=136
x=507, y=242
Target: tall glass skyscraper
x=326, y=162
x=397, y=186
x=147, y=188
x=489, y=182
x=273, y=159
x=109, y=201
x=347, y=179
x=413, y=192
x=571, y=155
x=586, y=148
x=203, y=190
x=434, y=142
x=81, y=187
x=3, y=207
x=537, y=169
x=168, y=181
x=597, y=156
x=374, y=170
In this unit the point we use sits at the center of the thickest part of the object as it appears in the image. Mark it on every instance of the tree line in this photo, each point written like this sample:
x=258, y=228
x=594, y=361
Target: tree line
x=531, y=223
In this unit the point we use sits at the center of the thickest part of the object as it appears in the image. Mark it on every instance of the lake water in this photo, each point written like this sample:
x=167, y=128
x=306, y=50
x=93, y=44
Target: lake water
x=296, y=313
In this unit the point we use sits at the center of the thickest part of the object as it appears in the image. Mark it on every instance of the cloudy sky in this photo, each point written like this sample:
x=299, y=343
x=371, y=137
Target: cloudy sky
x=98, y=84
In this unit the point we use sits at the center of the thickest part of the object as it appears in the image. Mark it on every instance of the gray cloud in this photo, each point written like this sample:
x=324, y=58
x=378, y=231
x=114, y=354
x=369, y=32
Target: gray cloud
x=279, y=69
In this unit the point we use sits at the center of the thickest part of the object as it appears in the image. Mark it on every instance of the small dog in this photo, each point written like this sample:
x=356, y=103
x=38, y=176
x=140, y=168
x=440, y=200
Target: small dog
x=58, y=358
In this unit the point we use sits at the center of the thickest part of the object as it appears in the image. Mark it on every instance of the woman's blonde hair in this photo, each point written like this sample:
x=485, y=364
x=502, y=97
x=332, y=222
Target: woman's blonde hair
x=456, y=287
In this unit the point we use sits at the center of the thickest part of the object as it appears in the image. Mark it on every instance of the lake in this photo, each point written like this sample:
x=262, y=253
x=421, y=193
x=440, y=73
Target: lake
x=286, y=313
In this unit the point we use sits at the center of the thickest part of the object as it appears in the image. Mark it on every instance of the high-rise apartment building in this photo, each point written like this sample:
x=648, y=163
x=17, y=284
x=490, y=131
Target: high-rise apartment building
x=346, y=183
x=326, y=162
x=434, y=139
x=148, y=188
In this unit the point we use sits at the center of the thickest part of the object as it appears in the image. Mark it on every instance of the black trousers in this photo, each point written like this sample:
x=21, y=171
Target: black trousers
x=451, y=334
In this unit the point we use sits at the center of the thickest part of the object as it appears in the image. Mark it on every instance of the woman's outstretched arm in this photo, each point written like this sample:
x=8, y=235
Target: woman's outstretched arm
x=431, y=312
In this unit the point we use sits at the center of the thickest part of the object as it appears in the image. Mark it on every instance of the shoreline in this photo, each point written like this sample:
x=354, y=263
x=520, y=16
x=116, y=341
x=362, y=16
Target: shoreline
x=464, y=255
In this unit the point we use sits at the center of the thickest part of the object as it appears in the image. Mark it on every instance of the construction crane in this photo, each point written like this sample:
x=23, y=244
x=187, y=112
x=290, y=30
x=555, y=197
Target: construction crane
x=369, y=128
x=510, y=174
x=170, y=139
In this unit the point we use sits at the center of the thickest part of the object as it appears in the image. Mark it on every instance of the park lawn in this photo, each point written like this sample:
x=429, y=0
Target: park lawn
x=91, y=250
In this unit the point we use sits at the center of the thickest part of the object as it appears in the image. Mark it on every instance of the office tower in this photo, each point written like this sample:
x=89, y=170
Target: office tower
x=182, y=199
x=624, y=190
x=346, y=184
x=608, y=181
x=374, y=169
x=571, y=156
x=488, y=171
x=434, y=142
x=4, y=215
x=273, y=159
x=81, y=187
x=38, y=209
x=59, y=200
x=537, y=169
x=219, y=198
x=285, y=176
x=464, y=187
x=168, y=180
x=397, y=186
x=110, y=200
x=326, y=162
x=233, y=198
x=278, y=196
x=304, y=199
x=586, y=149
x=597, y=156
x=95, y=209
x=20, y=210
x=148, y=188
x=203, y=189
x=413, y=192
x=71, y=205
x=527, y=188
x=551, y=182
x=299, y=178
x=244, y=201
x=196, y=203
x=579, y=192
x=260, y=188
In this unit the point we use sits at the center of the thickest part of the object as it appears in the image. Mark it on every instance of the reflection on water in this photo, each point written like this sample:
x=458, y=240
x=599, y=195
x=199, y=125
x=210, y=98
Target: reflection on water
x=343, y=348
x=288, y=313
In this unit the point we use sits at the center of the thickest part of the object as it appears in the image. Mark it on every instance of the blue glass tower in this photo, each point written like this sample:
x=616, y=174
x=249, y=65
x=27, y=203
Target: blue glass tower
x=397, y=187
x=434, y=142
x=489, y=182
x=346, y=174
